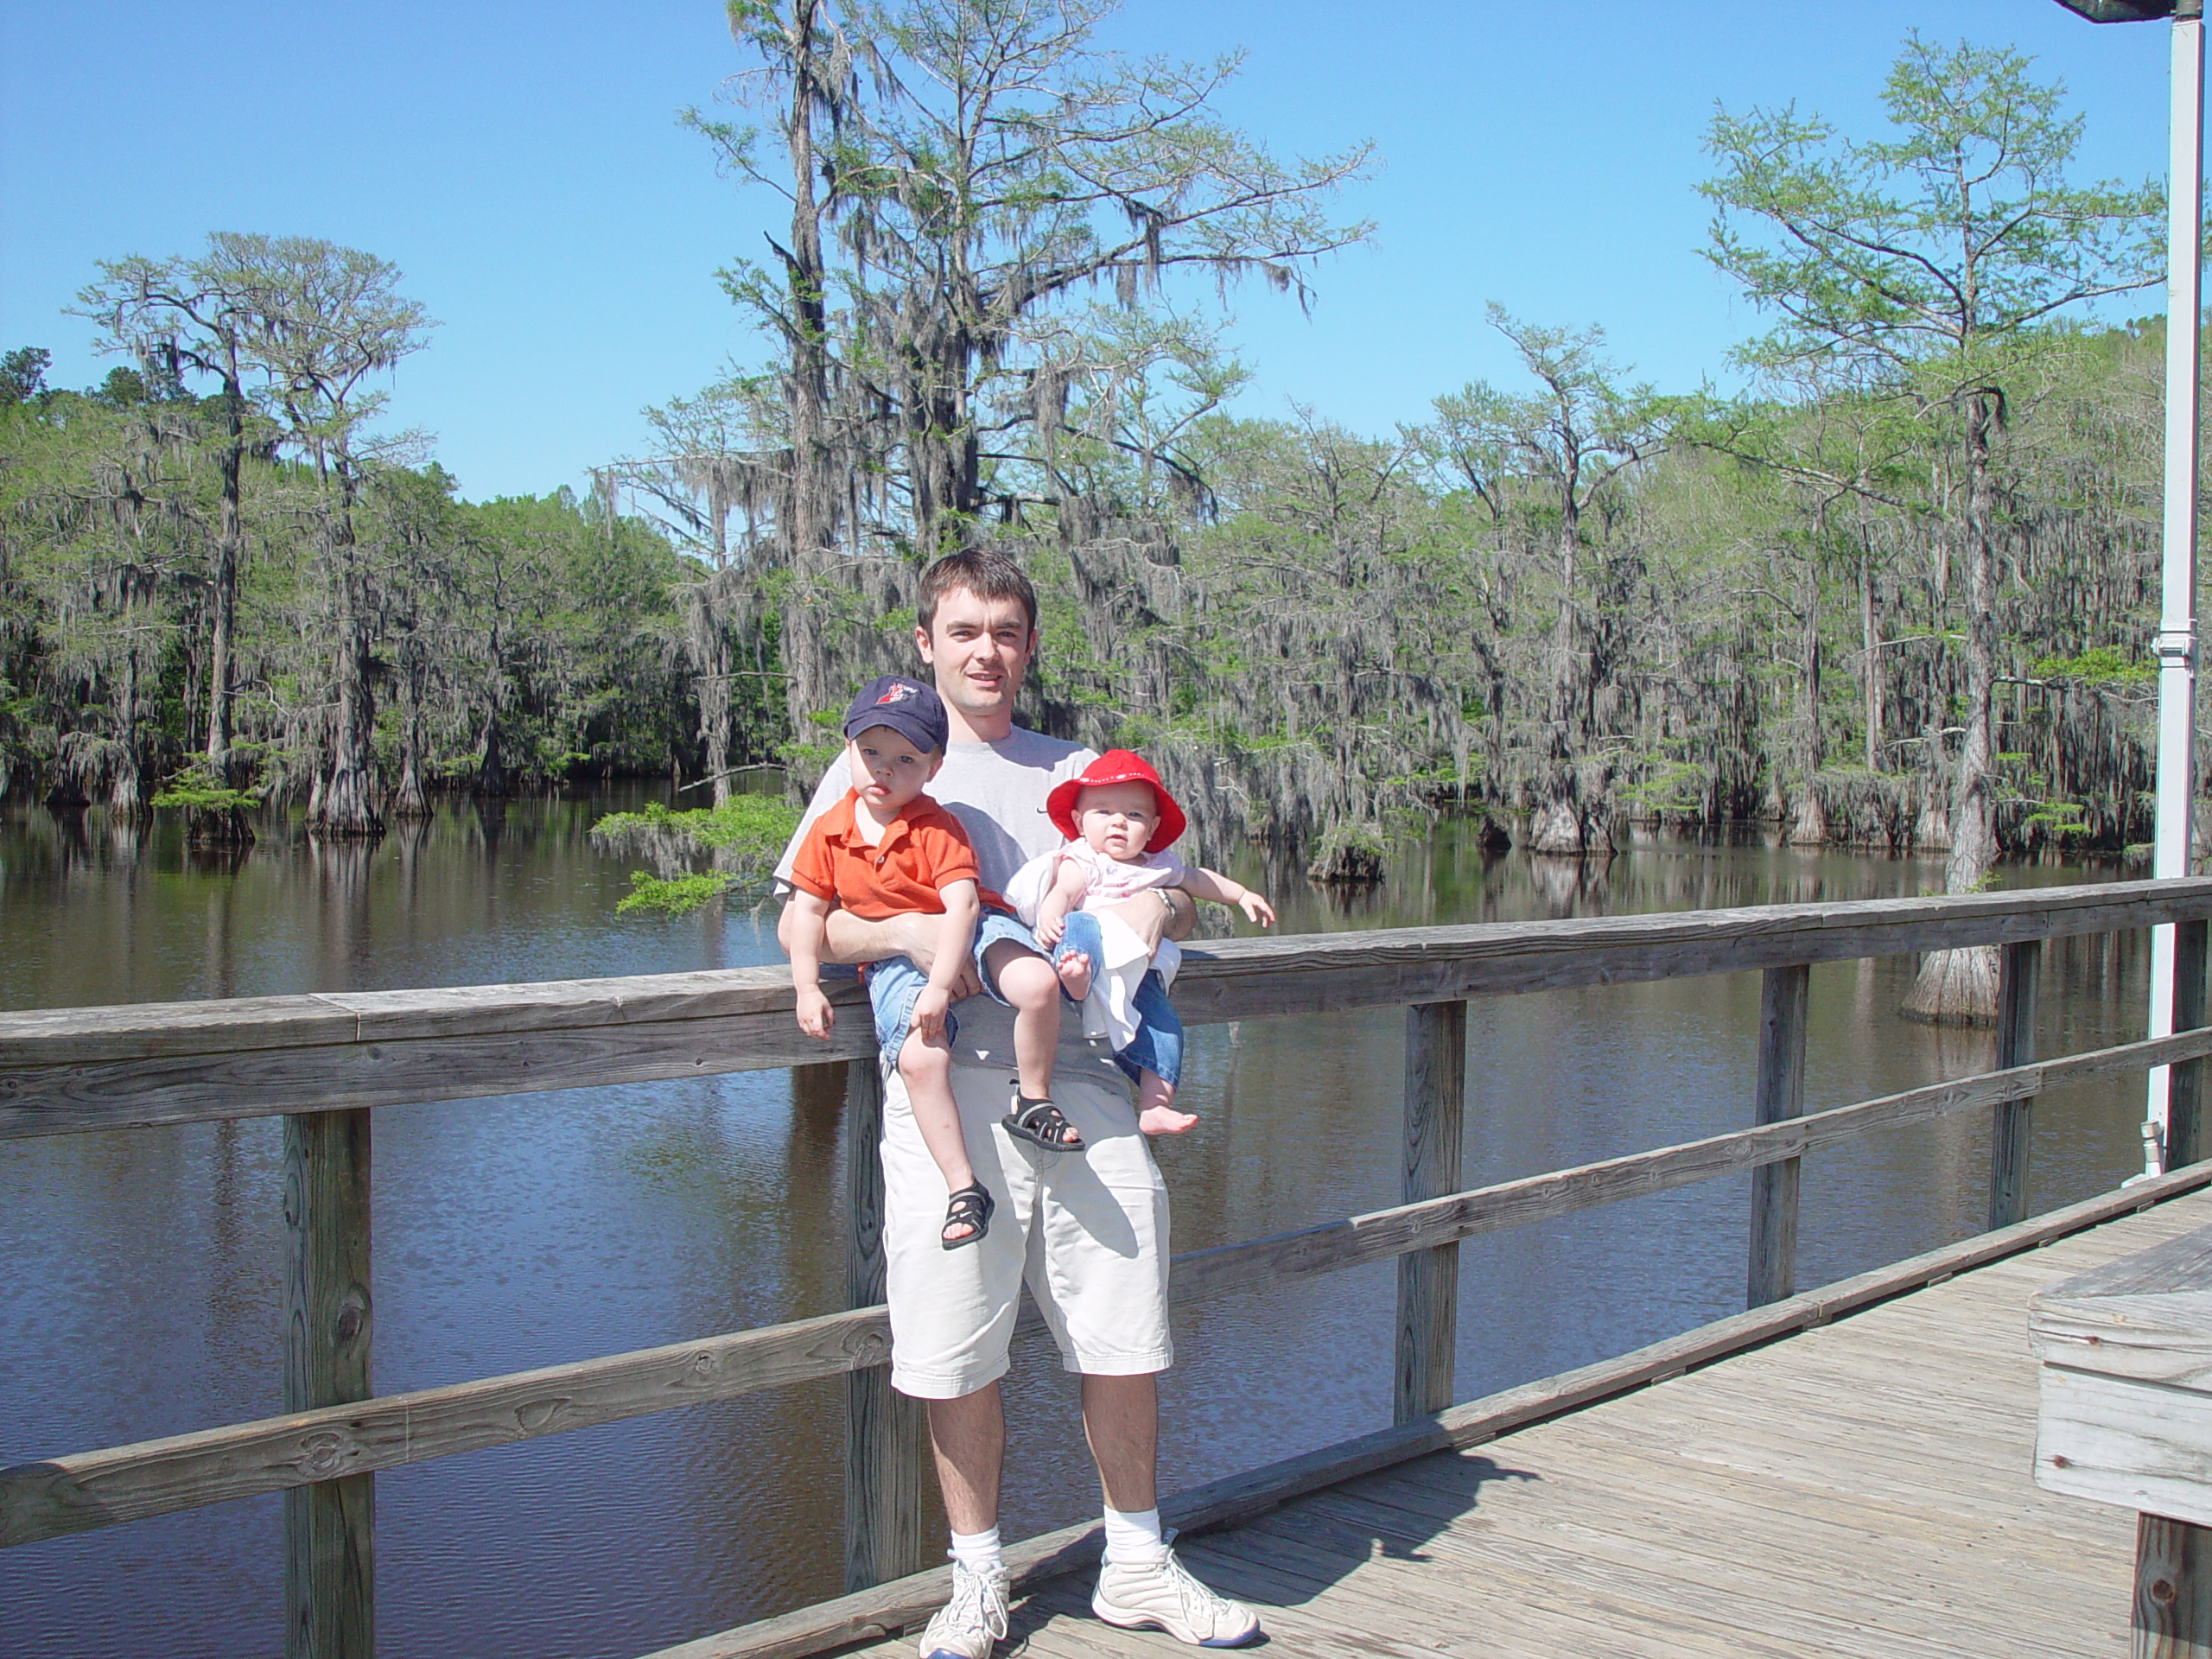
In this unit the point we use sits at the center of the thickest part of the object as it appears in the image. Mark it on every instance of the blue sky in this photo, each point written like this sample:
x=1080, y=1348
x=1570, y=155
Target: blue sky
x=522, y=164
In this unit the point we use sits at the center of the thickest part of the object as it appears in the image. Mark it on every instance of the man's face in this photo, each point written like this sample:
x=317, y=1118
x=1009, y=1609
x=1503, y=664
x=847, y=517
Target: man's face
x=978, y=650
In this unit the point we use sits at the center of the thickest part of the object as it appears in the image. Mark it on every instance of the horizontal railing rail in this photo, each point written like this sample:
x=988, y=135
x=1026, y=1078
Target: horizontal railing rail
x=64, y=1071
x=322, y=1060
x=182, y=1472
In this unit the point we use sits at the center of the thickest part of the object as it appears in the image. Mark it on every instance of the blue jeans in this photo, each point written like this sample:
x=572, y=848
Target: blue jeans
x=894, y=981
x=1158, y=1046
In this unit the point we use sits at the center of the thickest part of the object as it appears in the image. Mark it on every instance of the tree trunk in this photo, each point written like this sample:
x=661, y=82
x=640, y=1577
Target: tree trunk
x=1558, y=823
x=347, y=791
x=409, y=799
x=491, y=779
x=1809, y=826
x=1961, y=986
x=223, y=582
x=707, y=640
x=1556, y=827
x=809, y=506
x=126, y=795
x=1870, y=640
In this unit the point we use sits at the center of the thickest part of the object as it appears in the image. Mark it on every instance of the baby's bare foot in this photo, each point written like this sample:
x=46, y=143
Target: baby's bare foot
x=1165, y=1120
x=1074, y=969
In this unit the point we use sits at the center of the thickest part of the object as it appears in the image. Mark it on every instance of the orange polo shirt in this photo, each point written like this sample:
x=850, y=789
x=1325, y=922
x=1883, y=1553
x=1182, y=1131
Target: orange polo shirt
x=923, y=850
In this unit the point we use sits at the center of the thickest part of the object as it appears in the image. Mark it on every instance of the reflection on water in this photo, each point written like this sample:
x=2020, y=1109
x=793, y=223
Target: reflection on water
x=143, y=1267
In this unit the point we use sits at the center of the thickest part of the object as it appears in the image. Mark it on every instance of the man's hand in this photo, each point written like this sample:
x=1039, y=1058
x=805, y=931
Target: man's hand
x=815, y=1016
x=929, y=1012
x=1257, y=909
x=1154, y=915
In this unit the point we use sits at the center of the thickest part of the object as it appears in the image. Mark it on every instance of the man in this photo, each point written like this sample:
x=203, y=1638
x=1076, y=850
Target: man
x=1088, y=1228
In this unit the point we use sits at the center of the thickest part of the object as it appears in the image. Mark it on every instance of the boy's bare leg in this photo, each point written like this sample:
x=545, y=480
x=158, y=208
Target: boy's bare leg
x=1120, y=1419
x=1156, y=1112
x=967, y=1441
x=1028, y=981
x=927, y=1068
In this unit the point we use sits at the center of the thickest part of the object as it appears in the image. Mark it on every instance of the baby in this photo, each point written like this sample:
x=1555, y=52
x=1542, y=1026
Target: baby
x=888, y=849
x=1120, y=820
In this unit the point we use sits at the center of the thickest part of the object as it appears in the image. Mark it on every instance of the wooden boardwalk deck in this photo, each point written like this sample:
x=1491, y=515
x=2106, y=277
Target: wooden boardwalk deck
x=1862, y=1489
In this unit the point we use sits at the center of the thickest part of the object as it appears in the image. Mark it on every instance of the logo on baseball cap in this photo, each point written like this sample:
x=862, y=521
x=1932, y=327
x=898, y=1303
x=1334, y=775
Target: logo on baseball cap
x=907, y=707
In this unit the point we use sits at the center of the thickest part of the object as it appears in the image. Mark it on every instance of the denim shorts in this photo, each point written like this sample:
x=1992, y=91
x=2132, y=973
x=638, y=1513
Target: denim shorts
x=1158, y=1046
x=895, y=982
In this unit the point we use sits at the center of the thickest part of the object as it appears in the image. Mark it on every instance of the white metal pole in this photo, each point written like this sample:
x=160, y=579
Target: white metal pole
x=2178, y=610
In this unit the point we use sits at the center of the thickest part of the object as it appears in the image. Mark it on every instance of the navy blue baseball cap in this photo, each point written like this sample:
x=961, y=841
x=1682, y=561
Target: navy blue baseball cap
x=907, y=707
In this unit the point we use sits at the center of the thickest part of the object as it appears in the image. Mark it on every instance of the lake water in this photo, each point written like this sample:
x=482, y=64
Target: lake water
x=143, y=1268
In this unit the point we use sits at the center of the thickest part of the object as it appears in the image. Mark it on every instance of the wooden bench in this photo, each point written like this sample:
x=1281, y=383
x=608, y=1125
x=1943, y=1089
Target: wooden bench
x=2126, y=1418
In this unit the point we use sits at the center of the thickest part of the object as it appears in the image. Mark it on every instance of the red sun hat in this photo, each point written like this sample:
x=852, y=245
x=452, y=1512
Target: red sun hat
x=1117, y=766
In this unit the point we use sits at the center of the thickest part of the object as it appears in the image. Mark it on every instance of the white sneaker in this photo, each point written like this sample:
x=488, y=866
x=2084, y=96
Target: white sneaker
x=965, y=1626
x=1162, y=1595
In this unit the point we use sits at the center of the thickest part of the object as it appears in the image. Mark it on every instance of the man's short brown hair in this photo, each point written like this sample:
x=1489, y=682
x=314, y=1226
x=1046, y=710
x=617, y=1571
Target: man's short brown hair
x=986, y=575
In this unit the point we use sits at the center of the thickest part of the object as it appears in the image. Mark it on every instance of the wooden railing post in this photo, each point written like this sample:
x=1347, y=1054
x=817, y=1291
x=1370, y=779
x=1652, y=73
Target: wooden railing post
x=329, y=1527
x=2173, y=1617
x=2012, y=1128
x=2186, y=1081
x=1784, y=995
x=885, y=1441
x=1428, y=1280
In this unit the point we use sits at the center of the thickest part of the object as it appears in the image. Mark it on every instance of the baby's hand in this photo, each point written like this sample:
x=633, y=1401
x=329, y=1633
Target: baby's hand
x=815, y=1016
x=1257, y=909
x=929, y=1012
x=1050, y=926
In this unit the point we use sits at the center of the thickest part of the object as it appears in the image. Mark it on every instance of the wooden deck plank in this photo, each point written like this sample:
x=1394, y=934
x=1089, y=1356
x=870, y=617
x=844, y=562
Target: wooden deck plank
x=1793, y=1606
x=1700, y=1538
x=1515, y=1569
x=1511, y=1600
x=1863, y=1489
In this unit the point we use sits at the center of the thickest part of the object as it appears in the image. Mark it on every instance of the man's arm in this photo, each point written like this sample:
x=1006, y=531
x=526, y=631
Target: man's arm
x=1180, y=917
x=854, y=939
x=1159, y=914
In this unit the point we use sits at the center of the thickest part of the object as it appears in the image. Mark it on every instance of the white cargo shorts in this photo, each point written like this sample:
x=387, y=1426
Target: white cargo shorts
x=1086, y=1230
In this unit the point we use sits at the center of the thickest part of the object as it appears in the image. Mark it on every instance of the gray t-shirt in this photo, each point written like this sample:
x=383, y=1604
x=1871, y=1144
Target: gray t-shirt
x=997, y=790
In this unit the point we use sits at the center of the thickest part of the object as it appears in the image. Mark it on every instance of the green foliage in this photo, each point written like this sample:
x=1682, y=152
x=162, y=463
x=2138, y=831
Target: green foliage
x=22, y=374
x=196, y=787
x=1958, y=234
x=744, y=826
x=678, y=896
x=2062, y=818
x=2099, y=665
x=741, y=839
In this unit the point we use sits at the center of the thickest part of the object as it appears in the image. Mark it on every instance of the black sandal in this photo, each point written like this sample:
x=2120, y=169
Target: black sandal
x=1042, y=1124
x=969, y=1207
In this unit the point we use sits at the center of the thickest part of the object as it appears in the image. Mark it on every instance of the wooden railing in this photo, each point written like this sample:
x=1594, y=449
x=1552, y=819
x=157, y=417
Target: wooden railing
x=324, y=1061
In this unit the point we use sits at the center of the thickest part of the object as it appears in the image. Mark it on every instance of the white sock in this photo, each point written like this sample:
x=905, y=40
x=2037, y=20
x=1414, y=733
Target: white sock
x=978, y=1551
x=1132, y=1537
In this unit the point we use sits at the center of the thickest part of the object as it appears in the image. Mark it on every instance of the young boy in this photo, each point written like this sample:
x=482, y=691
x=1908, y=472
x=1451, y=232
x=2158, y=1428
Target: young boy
x=887, y=849
x=1120, y=820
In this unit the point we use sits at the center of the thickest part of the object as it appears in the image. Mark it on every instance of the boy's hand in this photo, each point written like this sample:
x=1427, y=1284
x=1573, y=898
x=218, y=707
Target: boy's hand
x=929, y=1012
x=815, y=1016
x=1257, y=909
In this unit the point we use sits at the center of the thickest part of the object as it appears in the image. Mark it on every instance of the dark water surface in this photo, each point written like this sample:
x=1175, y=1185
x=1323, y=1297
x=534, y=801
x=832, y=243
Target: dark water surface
x=142, y=1268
